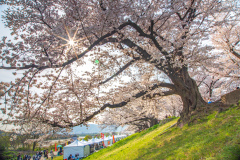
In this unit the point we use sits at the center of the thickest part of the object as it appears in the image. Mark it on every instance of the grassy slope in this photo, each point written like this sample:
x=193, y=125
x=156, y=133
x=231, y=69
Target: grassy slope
x=58, y=158
x=216, y=136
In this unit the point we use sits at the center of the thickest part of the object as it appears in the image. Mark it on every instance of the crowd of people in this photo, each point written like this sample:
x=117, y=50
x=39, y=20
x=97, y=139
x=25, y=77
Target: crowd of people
x=71, y=157
x=36, y=156
x=25, y=157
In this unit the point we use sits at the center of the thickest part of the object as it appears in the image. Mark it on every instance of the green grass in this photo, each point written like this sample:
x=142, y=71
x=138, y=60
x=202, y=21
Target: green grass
x=214, y=137
x=58, y=158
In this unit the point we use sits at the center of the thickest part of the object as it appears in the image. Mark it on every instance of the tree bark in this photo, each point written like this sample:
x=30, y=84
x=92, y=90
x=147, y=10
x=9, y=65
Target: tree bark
x=187, y=89
x=153, y=121
x=34, y=145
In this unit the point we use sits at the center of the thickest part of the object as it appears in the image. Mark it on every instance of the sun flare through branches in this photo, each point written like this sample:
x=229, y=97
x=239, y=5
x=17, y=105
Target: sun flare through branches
x=71, y=42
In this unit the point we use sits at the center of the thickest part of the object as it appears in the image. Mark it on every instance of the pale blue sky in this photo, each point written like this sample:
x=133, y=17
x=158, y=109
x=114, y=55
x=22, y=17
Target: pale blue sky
x=5, y=75
x=4, y=31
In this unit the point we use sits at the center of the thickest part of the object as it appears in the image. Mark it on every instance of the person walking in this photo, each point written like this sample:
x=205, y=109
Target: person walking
x=51, y=154
x=19, y=156
x=47, y=153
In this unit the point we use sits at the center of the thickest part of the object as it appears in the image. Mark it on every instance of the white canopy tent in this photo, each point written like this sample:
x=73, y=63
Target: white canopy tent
x=108, y=141
x=95, y=144
x=82, y=148
x=77, y=147
x=95, y=140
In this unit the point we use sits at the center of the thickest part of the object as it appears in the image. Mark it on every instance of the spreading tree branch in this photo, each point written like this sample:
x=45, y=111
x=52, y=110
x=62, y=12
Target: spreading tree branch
x=117, y=105
x=121, y=70
x=96, y=43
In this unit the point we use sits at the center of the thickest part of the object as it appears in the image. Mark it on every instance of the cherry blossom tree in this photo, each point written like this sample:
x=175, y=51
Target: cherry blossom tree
x=226, y=40
x=169, y=106
x=143, y=114
x=78, y=57
x=36, y=132
x=134, y=121
x=136, y=115
x=210, y=86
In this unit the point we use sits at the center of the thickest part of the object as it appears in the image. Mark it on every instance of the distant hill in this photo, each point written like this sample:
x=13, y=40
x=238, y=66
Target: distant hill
x=93, y=128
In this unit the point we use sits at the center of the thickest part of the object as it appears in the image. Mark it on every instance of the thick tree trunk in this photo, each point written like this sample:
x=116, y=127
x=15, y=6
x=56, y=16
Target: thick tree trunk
x=187, y=89
x=34, y=145
x=153, y=121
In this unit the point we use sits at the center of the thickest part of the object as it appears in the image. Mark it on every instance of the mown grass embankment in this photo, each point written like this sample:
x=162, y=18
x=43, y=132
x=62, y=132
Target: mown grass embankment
x=216, y=136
